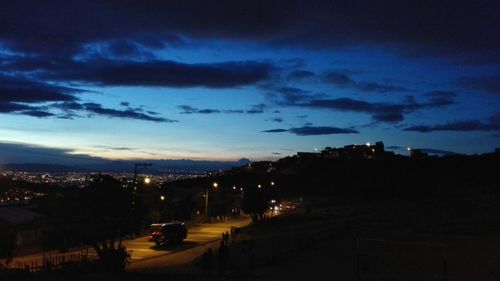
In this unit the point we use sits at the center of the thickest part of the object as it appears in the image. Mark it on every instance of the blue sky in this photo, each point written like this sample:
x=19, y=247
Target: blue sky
x=222, y=80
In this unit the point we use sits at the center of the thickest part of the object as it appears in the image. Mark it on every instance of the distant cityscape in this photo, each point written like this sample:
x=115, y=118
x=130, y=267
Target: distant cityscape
x=20, y=195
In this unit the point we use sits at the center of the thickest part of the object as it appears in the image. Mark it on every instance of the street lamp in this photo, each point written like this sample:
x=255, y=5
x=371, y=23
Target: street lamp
x=136, y=171
x=147, y=180
x=162, y=198
x=215, y=185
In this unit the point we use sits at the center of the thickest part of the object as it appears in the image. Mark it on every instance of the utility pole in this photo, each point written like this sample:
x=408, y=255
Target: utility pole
x=206, y=205
x=136, y=171
x=214, y=185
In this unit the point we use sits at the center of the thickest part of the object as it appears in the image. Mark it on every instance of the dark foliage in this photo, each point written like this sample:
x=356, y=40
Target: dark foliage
x=99, y=215
x=400, y=178
x=8, y=242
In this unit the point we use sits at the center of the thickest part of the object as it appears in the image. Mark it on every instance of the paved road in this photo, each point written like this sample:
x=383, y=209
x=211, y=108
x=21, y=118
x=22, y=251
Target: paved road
x=143, y=250
x=198, y=235
x=199, y=239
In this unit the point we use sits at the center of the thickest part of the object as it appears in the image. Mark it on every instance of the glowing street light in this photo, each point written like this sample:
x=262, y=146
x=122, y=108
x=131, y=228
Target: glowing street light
x=272, y=183
x=162, y=198
x=147, y=180
x=259, y=186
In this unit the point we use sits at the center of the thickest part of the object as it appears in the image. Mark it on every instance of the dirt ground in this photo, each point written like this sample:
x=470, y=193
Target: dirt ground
x=455, y=239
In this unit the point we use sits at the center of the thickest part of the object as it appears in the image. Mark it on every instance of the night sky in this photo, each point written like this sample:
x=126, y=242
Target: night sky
x=222, y=80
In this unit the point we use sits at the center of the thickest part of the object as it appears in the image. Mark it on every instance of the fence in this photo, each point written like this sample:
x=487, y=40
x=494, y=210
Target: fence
x=51, y=263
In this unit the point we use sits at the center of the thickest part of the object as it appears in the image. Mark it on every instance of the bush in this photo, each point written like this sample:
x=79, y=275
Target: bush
x=115, y=260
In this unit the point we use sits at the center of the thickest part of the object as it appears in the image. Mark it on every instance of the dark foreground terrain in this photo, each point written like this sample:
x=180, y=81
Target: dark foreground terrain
x=332, y=239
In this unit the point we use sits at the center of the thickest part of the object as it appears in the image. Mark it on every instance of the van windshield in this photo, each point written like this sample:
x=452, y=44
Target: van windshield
x=154, y=228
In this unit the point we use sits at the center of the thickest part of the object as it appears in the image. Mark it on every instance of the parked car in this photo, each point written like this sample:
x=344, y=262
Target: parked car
x=171, y=232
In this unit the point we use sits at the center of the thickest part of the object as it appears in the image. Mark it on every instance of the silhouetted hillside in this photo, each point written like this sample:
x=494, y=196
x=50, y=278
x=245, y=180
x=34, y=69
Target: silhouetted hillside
x=378, y=179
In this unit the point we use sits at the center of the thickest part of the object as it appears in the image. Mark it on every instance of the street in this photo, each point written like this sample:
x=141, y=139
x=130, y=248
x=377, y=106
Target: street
x=199, y=235
x=144, y=254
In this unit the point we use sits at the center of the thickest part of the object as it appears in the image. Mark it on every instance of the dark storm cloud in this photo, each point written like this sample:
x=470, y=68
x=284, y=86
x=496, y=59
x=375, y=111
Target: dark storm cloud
x=436, y=27
x=68, y=106
x=159, y=73
x=71, y=109
x=285, y=94
x=186, y=109
x=23, y=109
x=438, y=99
x=289, y=90
x=67, y=28
x=8, y=107
x=22, y=96
x=154, y=73
x=123, y=48
x=208, y=111
x=255, y=109
x=276, y=119
x=382, y=112
x=275, y=131
x=119, y=148
x=37, y=113
x=386, y=112
x=26, y=153
x=491, y=125
x=137, y=47
x=343, y=80
x=490, y=84
x=234, y=111
x=314, y=131
x=14, y=89
x=338, y=79
x=128, y=113
x=301, y=75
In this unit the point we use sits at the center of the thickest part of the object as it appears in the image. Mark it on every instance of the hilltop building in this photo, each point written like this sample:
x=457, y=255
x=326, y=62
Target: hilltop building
x=351, y=152
x=418, y=154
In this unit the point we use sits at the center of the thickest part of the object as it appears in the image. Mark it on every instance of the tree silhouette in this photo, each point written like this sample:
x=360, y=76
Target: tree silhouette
x=104, y=219
x=255, y=202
